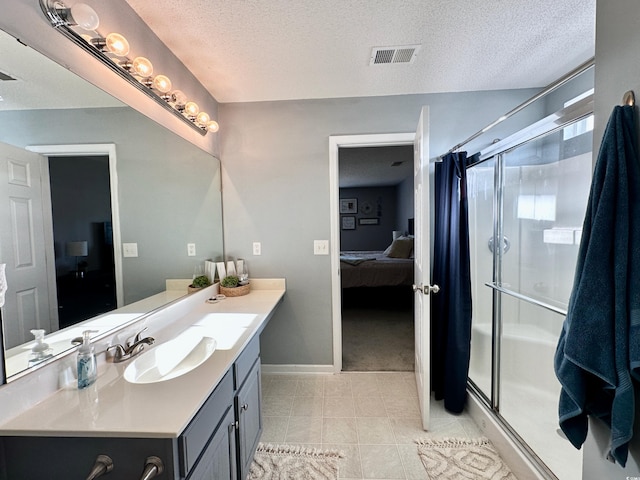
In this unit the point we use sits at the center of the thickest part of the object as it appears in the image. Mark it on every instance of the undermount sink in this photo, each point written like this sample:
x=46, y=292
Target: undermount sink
x=173, y=358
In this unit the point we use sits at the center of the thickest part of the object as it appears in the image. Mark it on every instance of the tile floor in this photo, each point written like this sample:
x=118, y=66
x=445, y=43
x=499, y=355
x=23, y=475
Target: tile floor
x=373, y=418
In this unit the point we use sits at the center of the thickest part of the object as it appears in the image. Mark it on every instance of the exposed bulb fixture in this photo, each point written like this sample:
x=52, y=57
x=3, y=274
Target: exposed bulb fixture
x=179, y=99
x=113, y=43
x=79, y=15
x=84, y=16
x=191, y=109
x=117, y=44
x=203, y=118
x=162, y=83
x=138, y=72
x=142, y=66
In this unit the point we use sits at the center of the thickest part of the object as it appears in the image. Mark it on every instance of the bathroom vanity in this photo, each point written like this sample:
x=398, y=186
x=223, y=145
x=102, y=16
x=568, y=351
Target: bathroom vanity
x=203, y=424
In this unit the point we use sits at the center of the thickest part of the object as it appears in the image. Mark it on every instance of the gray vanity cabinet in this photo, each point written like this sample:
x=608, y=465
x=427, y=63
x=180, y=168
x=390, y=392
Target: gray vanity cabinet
x=248, y=408
x=227, y=429
x=218, y=461
x=211, y=424
x=218, y=443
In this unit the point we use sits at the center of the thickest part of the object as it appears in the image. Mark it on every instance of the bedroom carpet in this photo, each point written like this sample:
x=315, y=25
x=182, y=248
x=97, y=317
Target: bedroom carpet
x=377, y=338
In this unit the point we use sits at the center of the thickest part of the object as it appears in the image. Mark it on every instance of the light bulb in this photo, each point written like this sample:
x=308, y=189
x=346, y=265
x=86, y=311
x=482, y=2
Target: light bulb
x=142, y=66
x=203, y=118
x=191, y=109
x=179, y=98
x=84, y=16
x=213, y=126
x=117, y=44
x=162, y=83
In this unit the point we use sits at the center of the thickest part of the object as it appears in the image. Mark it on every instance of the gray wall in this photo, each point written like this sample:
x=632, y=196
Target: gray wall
x=168, y=189
x=383, y=201
x=406, y=209
x=275, y=158
x=617, y=70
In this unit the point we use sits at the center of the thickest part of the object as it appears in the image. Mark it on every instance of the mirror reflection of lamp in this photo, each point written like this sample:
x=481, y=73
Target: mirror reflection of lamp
x=78, y=249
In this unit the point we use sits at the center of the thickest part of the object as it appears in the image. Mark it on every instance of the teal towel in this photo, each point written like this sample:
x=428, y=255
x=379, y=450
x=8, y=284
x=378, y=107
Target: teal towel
x=599, y=348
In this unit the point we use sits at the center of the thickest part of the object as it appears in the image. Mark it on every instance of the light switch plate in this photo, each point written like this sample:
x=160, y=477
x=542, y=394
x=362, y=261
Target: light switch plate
x=129, y=249
x=321, y=247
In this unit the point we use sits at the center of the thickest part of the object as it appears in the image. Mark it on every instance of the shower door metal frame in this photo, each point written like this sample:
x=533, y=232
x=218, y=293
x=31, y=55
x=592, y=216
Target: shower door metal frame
x=547, y=126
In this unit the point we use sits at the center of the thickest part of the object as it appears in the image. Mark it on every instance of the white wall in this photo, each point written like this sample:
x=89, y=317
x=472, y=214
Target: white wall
x=617, y=70
x=275, y=158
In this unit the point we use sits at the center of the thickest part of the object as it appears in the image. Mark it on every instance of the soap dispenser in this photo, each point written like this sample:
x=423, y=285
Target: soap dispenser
x=87, y=364
x=40, y=351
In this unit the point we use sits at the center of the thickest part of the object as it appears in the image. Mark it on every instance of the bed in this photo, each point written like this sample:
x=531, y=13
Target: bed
x=374, y=269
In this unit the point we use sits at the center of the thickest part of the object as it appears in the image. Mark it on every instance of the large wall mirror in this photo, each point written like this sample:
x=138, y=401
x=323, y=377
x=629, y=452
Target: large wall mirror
x=97, y=206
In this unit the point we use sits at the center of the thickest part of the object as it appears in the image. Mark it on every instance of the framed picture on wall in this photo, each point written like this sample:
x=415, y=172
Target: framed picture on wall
x=348, y=223
x=369, y=221
x=348, y=205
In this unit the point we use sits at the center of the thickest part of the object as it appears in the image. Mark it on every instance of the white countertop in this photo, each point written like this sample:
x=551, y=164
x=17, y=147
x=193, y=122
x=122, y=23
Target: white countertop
x=113, y=407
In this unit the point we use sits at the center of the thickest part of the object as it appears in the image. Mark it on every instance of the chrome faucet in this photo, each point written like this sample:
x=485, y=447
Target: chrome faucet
x=132, y=347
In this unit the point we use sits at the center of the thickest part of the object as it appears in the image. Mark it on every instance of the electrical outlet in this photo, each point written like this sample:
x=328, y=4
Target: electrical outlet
x=257, y=248
x=191, y=249
x=321, y=247
x=129, y=249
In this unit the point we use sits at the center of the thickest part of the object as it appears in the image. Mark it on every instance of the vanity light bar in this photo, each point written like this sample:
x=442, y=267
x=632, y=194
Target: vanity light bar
x=112, y=50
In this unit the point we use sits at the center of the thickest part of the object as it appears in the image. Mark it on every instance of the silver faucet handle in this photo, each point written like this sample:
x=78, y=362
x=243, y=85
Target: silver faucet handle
x=136, y=338
x=119, y=352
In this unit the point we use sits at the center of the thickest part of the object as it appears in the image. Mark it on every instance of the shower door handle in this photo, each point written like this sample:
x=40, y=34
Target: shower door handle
x=426, y=289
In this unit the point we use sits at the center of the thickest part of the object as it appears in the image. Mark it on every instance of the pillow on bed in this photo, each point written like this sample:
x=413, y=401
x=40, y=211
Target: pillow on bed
x=400, y=248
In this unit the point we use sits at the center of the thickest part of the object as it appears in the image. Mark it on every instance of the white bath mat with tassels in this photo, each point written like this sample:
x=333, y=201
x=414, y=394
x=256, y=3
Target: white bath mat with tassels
x=456, y=458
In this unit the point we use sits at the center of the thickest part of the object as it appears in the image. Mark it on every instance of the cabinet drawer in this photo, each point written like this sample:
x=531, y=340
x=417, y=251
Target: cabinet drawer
x=197, y=434
x=245, y=361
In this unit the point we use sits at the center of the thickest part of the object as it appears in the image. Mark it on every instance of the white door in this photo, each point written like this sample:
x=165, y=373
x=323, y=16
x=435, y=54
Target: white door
x=22, y=247
x=422, y=252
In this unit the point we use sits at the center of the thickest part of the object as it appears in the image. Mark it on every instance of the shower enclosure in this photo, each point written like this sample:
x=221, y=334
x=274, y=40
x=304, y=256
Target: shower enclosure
x=527, y=200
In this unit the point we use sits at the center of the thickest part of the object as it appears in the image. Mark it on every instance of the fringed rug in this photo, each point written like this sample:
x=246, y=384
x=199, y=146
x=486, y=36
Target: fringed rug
x=453, y=458
x=295, y=462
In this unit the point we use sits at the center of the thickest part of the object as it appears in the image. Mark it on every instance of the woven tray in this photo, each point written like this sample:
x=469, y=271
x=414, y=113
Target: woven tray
x=235, y=291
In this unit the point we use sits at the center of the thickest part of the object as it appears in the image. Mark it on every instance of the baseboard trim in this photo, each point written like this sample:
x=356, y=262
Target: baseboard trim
x=297, y=369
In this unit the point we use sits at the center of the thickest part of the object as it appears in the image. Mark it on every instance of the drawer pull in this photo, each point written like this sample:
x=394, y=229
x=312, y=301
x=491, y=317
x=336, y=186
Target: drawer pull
x=244, y=407
x=153, y=467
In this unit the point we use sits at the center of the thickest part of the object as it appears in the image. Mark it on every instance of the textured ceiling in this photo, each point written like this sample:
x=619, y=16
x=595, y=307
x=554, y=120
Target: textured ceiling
x=260, y=50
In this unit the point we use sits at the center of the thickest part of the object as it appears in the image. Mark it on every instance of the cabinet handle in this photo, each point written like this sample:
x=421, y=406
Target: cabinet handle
x=233, y=426
x=153, y=467
x=244, y=407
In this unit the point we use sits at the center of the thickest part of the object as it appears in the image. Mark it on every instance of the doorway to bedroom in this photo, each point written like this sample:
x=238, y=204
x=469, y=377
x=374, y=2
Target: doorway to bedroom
x=376, y=212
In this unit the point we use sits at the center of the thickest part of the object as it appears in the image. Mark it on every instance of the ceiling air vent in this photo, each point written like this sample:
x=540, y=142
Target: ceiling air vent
x=387, y=55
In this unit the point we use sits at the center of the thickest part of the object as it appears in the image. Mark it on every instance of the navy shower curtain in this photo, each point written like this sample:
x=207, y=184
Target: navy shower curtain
x=451, y=307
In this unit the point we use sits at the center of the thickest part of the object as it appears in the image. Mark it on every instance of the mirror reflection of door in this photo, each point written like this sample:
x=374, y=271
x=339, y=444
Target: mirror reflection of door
x=29, y=301
x=82, y=235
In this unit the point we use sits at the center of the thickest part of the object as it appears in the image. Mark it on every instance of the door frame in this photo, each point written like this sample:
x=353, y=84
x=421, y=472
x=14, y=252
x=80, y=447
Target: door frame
x=335, y=143
x=94, y=149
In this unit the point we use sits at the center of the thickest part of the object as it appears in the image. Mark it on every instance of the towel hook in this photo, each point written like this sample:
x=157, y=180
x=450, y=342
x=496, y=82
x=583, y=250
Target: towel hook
x=629, y=98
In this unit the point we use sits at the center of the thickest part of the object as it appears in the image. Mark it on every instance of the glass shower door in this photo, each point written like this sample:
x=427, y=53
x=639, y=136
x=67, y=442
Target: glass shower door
x=480, y=191
x=532, y=199
x=546, y=187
